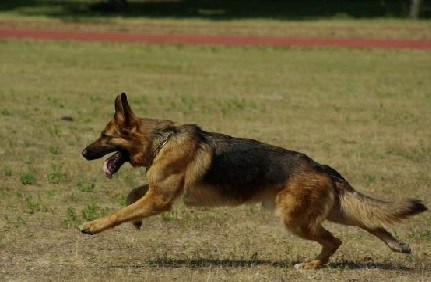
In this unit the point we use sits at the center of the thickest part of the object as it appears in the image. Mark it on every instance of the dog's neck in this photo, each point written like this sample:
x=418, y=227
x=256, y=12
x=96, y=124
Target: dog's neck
x=158, y=148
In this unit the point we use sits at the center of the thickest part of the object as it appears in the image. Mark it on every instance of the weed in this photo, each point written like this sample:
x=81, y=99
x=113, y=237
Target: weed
x=129, y=178
x=7, y=171
x=54, y=101
x=54, y=131
x=420, y=153
x=93, y=211
x=237, y=103
x=426, y=235
x=224, y=111
x=27, y=178
x=253, y=209
x=233, y=104
x=17, y=221
x=18, y=194
x=71, y=220
x=168, y=215
x=369, y=179
x=172, y=105
x=54, y=150
x=57, y=176
x=122, y=200
x=142, y=100
x=286, y=263
x=86, y=186
x=206, y=110
x=31, y=205
x=160, y=100
x=423, y=234
x=51, y=193
x=3, y=191
x=4, y=112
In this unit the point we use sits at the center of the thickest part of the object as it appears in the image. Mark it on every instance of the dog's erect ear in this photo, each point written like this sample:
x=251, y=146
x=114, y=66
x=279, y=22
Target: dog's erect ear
x=123, y=113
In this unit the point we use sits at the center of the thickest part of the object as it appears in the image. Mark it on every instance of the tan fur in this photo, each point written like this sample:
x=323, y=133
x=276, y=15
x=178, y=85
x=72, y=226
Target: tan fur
x=180, y=160
x=371, y=213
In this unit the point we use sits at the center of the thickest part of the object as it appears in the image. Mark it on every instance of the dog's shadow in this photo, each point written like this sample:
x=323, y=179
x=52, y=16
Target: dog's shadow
x=206, y=262
x=366, y=265
x=250, y=263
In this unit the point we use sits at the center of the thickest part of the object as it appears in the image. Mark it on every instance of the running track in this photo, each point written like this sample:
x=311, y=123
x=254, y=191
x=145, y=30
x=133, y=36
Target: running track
x=228, y=40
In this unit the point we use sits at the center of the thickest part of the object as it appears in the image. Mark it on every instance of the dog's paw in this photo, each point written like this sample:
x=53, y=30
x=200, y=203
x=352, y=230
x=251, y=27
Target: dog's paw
x=309, y=265
x=85, y=230
x=404, y=248
x=137, y=224
x=91, y=227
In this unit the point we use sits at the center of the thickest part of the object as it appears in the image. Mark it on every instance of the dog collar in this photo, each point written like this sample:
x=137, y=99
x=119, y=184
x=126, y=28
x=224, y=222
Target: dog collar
x=160, y=146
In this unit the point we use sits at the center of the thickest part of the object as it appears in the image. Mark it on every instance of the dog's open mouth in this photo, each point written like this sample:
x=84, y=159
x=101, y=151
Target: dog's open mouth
x=114, y=162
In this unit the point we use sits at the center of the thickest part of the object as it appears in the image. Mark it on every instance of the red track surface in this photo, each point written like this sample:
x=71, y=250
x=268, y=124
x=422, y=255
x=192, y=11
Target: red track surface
x=230, y=40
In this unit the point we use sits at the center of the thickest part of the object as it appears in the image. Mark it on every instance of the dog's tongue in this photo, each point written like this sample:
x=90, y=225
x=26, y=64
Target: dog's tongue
x=106, y=171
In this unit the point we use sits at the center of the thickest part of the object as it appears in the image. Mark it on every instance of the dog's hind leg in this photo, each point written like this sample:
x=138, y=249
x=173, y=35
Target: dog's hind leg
x=135, y=195
x=372, y=215
x=319, y=234
x=380, y=232
x=389, y=240
x=303, y=205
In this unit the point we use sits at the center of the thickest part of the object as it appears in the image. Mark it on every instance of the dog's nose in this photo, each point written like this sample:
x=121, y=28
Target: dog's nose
x=85, y=153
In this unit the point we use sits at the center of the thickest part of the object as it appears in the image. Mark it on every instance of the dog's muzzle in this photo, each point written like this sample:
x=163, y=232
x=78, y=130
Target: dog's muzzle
x=96, y=152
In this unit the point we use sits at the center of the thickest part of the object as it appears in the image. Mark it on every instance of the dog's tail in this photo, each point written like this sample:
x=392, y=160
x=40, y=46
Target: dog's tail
x=364, y=211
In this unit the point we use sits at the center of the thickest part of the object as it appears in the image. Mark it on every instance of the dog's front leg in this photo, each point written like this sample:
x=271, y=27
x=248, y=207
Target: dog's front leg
x=154, y=202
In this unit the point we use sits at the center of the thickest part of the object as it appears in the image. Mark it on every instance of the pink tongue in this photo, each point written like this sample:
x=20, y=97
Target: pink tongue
x=106, y=170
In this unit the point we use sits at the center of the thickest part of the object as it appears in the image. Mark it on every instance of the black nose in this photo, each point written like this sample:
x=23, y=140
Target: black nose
x=85, y=153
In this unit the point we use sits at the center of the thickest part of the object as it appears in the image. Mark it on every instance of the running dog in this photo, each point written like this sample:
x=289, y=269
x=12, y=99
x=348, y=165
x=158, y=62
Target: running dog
x=212, y=169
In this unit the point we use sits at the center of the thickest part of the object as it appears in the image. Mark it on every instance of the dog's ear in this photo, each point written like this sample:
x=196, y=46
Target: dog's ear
x=123, y=113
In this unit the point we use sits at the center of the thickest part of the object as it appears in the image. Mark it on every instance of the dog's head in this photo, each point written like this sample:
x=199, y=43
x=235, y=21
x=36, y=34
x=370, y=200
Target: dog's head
x=127, y=136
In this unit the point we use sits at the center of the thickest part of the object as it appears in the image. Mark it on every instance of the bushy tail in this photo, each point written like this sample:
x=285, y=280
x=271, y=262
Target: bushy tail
x=367, y=212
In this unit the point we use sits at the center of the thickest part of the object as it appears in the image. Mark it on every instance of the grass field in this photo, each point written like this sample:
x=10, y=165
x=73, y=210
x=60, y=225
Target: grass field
x=366, y=113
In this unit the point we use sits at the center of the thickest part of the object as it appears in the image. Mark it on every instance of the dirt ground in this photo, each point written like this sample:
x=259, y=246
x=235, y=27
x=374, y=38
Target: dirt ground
x=229, y=40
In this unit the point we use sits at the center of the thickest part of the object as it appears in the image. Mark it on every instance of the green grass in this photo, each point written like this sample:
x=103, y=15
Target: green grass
x=71, y=219
x=27, y=178
x=93, y=211
x=364, y=112
x=7, y=171
x=85, y=186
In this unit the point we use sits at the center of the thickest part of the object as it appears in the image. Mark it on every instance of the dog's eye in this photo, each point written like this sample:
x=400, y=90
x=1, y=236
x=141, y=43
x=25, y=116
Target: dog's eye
x=104, y=135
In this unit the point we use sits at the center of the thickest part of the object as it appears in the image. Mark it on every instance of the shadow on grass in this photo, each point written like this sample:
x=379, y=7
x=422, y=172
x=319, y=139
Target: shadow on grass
x=250, y=263
x=367, y=265
x=216, y=9
x=205, y=263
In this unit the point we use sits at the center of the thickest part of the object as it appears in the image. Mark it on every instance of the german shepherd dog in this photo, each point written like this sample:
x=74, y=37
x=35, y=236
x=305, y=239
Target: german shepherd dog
x=211, y=169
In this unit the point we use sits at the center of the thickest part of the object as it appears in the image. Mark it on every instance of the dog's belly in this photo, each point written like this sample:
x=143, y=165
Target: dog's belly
x=213, y=196
x=208, y=196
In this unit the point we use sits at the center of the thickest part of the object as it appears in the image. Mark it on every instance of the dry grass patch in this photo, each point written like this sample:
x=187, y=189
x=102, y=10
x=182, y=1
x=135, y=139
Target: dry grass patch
x=366, y=113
